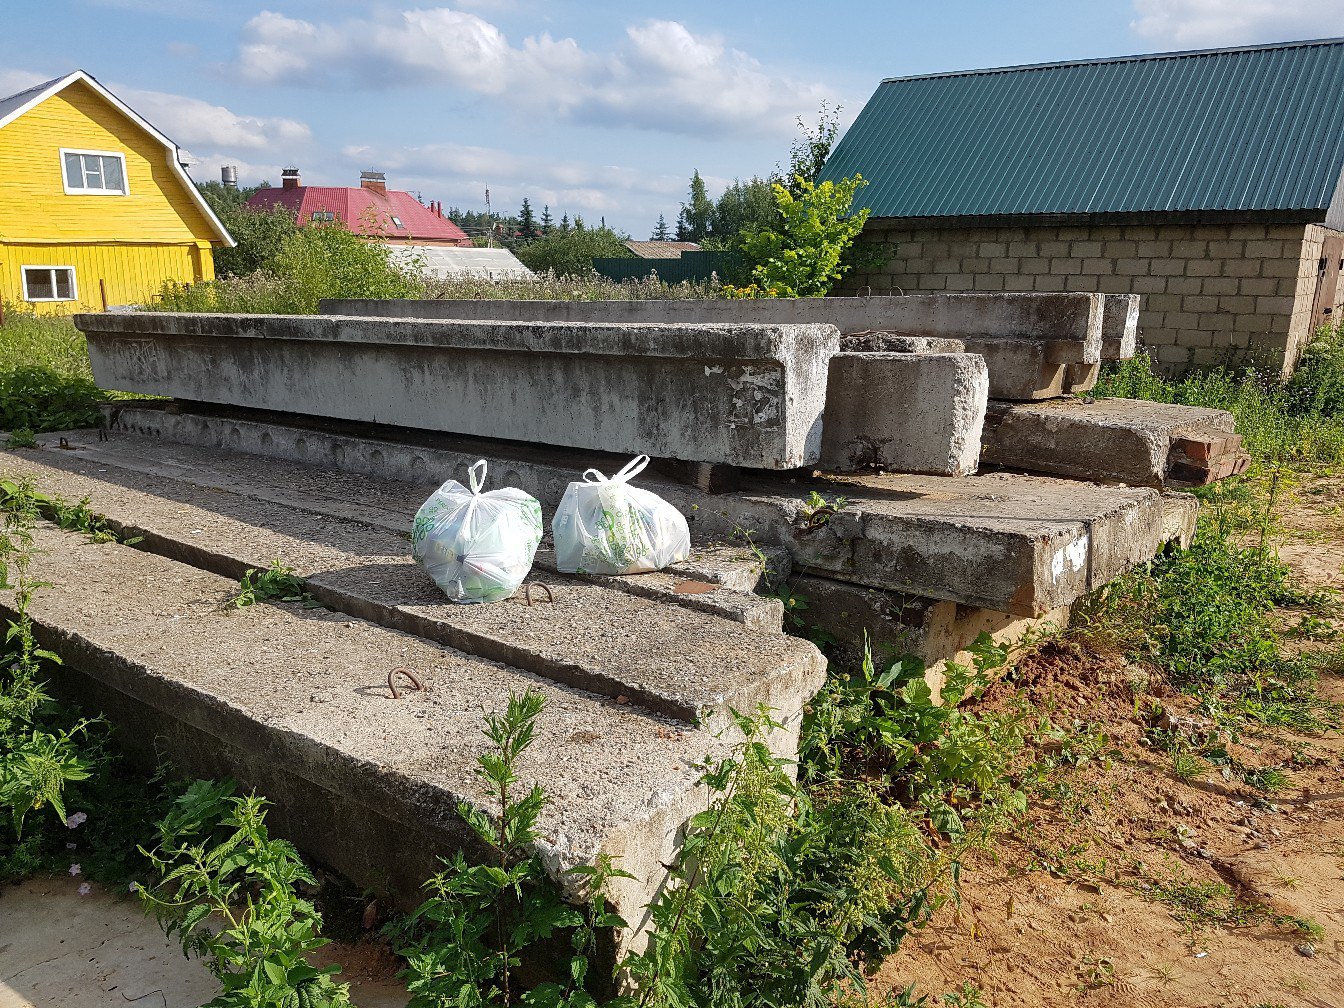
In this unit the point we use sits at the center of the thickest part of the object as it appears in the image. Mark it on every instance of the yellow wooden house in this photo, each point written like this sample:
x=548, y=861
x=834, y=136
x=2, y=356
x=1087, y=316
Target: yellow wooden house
x=96, y=209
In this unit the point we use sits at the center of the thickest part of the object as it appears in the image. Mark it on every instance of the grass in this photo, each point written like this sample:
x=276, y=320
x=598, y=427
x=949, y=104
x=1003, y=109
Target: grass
x=46, y=383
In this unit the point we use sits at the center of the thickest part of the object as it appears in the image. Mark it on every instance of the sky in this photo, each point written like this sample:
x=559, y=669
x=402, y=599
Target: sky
x=594, y=108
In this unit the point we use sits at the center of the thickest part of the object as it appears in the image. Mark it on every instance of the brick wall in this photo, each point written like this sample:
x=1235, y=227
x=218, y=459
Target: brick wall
x=1210, y=292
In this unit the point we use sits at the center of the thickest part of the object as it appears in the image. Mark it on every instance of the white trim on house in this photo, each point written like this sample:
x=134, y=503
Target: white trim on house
x=74, y=283
x=43, y=92
x=70, y=190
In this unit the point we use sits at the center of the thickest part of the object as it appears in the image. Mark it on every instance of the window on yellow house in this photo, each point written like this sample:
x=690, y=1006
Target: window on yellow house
x=49, y=283
x=101, y=173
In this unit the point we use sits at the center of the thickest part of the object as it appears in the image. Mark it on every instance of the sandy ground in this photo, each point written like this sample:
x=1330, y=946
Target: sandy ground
x=62, y=950
x=1063, y=914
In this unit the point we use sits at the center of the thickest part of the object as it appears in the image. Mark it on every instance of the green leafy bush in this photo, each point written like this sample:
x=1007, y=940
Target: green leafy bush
x=218, y=865
x=571, y=253
x=40, y=399
x=780, y=895
x=463, y=946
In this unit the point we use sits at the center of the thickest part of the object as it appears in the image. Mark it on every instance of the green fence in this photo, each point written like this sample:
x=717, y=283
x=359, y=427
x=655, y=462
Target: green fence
x=691, y=266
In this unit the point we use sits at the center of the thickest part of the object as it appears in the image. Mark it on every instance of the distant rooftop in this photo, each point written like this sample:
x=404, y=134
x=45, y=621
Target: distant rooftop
x=1254, y=128
x=660, y=249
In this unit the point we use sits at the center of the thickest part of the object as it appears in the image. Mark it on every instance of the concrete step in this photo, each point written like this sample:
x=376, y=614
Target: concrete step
x=1016, y=544
x=347, y=535
x=1115, y=440
x=296, y=704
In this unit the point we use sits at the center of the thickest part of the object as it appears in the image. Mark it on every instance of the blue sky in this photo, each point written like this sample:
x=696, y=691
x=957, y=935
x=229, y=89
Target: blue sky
x=596, y=108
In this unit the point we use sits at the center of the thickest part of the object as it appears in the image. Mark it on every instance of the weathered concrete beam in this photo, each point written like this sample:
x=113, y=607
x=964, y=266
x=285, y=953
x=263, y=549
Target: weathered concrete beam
x=1071, y=323
x=1023, y=370
x=295, y=704
x=1008, y=543
x=747, y=395
x=904, y=412
x=895, y=625
x=1115, y=440
x=1119, y=326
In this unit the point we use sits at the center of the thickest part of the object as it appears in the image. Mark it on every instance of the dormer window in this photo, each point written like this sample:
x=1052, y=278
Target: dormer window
x=94, y=173
x=396, y=221
x=323, y=216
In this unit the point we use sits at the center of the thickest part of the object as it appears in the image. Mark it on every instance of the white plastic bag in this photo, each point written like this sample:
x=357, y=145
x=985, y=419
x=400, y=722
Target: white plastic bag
x=478, y=547
x=606, y=526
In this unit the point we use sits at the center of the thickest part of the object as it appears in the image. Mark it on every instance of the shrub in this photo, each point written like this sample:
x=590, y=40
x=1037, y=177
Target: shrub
x=551, y=286
x=40, y=399
x=571, y=253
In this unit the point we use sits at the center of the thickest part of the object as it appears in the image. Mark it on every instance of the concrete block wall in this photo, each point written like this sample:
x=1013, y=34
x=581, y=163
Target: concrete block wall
x=1210, y=292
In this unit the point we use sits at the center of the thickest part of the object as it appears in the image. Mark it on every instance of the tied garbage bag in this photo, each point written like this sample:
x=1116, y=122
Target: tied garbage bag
x=476, y=546
x=606, y=526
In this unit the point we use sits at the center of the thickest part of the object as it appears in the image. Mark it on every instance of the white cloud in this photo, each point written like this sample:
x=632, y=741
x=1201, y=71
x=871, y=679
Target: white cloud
x=194, y=123
x=660, y=76
x=1212, y=23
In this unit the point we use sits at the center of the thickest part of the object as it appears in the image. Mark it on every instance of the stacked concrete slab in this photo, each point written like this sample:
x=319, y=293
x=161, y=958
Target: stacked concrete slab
x=832, y=444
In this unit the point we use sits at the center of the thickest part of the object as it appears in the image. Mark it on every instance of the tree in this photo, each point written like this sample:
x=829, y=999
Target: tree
x=803, y=258
x=698, y=214
x=564, y=224
x=660, y=232
x=578, y=223
x=546, y=223
x=572, y=253
x=808, y=153
x=259, y=233
x=743, y=207
x=527, y=223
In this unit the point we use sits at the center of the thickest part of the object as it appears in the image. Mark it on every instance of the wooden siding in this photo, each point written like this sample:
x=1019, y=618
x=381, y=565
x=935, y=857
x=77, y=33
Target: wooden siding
x=34, y=207
x=129, y=274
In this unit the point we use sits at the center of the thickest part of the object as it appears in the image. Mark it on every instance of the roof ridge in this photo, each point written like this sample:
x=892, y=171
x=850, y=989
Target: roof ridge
x=1136, y=58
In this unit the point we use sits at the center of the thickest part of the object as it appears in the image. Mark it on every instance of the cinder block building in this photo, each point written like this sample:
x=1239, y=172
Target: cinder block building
x=1208, y=182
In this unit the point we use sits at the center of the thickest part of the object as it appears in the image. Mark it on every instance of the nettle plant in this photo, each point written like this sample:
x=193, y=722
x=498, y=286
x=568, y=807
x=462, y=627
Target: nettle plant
x=229, y=892
x=465, y=944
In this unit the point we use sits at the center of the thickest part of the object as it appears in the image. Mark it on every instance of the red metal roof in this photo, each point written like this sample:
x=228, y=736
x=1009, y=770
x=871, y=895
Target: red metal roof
x=395, y=216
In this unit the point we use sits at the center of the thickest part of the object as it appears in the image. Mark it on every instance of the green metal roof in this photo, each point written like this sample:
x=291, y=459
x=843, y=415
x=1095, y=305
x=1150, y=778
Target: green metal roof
x=1255, y=128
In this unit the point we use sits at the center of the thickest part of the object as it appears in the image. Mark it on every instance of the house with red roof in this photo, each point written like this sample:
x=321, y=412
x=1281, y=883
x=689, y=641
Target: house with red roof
x=373, y=210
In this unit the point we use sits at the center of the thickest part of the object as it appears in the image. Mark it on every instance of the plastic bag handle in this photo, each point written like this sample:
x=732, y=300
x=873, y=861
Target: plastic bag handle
x=631, y=469
x=477, y=481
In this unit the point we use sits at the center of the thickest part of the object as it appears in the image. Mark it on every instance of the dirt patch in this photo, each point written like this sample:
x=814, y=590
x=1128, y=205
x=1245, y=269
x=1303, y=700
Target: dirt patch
x=1131, y=886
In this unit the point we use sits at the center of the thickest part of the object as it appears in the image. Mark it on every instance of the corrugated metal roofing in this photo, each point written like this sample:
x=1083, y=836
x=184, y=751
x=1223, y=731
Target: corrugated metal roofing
x=660, y=249
x=1253, y=128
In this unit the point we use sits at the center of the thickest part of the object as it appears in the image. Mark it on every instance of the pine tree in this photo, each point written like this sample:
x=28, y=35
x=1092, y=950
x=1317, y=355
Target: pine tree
x=527, y=223
x=683, y=231
x=578, y=223
x=546, y=222
x=698, y=213
x=564, y=224
x=660, y=233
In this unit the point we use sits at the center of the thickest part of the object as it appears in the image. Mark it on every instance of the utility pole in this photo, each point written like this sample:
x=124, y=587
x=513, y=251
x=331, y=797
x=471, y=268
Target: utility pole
x=490, y=227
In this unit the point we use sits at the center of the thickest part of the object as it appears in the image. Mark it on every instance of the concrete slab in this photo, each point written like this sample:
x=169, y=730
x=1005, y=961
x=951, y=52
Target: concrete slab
x=891, y=342
x=1111, y=440
x=1119, y=326
x=895, y=625
x=295, y=704
x=1026, y=370
x=1062, y=319
x=904, y=412
x=993, y=542
x=747, y=395
x=226, y=512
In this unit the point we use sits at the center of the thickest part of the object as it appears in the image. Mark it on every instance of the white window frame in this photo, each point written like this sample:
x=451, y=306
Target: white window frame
x=70, y=190
x=74, y=283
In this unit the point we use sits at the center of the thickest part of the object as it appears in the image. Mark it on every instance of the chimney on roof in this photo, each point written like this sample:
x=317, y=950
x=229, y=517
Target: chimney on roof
x=289, y=178
x=374, y=180
x=228, y=174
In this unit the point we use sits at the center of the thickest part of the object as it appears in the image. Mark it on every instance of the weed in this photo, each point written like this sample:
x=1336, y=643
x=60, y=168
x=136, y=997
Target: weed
x=22, y=438
x=216, y=862
x=277, y=583
x=966, y=996
x=1198, y=906
x=463, y=945
x=817, y=510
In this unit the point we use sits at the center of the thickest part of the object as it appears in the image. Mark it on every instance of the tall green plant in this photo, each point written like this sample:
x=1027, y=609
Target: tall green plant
x=217, y=864
x=464, y=944
x=803, y=256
